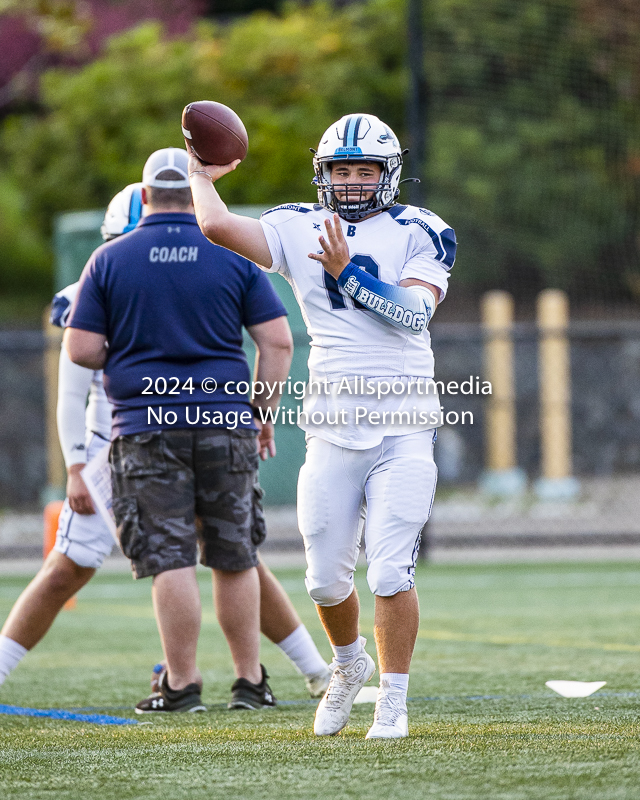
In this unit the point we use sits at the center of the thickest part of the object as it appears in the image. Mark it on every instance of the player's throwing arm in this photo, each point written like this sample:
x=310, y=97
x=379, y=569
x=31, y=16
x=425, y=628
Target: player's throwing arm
x=214, y=133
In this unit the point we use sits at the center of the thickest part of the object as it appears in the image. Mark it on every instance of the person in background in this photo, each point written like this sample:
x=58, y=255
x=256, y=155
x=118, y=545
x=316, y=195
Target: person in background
x=83, y=539
x=193, y=481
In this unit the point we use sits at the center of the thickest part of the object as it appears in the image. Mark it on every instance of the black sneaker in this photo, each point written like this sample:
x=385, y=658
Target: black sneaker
x=168, y=699
x=245, y=694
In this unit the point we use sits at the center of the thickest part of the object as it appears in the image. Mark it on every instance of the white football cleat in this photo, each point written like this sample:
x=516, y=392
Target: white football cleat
x=318, y=684
x=347, y=680
x=391, y=720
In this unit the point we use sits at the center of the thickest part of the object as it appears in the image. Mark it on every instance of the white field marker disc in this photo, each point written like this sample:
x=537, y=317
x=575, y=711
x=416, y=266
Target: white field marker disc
x=575, y=688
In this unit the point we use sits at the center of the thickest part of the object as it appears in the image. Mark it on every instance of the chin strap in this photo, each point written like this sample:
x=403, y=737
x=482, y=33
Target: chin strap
x=409, y=308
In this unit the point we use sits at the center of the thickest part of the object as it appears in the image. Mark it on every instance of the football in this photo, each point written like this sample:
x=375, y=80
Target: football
x=214, y=132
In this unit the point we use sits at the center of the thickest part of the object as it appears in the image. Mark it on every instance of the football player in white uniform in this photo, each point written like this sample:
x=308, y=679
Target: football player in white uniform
x=83, y=539
x=84, y=428
x=367, y=296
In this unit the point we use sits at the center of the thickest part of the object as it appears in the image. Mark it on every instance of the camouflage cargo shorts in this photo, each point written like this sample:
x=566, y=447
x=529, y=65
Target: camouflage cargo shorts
x=175, y=490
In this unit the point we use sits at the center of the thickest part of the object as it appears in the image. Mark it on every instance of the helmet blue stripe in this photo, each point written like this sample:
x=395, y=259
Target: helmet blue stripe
x=135, y=209
x=345, y=135
x=349, y=132
x=357, y=130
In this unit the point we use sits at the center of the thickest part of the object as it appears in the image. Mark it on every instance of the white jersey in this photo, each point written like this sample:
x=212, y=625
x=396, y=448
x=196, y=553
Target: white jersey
x=78, y=418
x=348, y=341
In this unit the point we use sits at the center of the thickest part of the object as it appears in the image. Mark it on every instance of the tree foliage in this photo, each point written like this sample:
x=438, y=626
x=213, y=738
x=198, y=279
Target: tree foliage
x=534, y=139
x=533, y=132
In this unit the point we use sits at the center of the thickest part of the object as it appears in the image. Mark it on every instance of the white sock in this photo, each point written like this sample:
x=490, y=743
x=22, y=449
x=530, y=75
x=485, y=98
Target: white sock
x=347, y=653
x=395, y=682
x=11, y=654
x=302, y=650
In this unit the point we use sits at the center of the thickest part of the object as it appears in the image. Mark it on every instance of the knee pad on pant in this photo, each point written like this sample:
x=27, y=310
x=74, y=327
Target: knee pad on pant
x=330, y=594
x=385, y=580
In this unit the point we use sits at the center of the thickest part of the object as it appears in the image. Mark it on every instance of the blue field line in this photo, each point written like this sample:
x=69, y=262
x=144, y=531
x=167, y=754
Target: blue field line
x=547, y=695
x=83, y=709
x=432, y=699
x=466, y=697
x=79, y=714
x=60, y=713
x=310, y=702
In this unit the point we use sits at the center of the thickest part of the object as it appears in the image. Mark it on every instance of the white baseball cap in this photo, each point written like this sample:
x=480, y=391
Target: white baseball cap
x=168, y=158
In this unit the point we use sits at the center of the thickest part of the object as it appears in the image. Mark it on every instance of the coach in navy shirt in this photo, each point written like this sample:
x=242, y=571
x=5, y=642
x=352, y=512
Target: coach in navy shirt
x=161, y=310
x=170, y=326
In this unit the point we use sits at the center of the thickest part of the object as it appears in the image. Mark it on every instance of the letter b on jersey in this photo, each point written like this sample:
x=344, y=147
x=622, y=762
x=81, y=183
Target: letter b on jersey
x=351, y=230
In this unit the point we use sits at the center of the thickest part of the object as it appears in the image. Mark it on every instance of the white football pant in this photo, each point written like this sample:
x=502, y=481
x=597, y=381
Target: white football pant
x=396, y=480
x=85, y=539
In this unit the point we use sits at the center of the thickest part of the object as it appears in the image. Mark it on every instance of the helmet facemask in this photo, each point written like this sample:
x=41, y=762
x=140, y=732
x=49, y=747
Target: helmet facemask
x=355, y=207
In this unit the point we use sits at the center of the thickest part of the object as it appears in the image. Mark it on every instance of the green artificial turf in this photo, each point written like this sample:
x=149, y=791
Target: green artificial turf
x=482, y=723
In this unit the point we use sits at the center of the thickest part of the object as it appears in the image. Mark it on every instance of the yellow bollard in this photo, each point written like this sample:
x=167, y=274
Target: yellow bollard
x=556, y=481
x=502, y=475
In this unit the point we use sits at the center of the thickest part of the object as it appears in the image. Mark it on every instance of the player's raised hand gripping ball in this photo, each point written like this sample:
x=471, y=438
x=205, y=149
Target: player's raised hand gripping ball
x=214, y=132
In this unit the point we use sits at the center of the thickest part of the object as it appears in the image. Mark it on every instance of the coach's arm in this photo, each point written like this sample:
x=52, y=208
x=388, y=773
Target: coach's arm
x=274, y=351
x=86, y=348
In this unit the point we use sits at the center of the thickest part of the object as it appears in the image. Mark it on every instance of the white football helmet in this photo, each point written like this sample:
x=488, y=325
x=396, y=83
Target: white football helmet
x=123, y=213
x=358, y=137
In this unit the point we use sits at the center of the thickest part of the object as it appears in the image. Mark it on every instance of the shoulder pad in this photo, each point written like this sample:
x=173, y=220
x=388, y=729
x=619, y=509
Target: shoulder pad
x=442, y=236
x=405, y=215
x=61, y=305
x=292, y=208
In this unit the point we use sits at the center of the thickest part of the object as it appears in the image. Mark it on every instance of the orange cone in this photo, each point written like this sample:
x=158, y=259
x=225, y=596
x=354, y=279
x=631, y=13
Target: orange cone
x=51, y=517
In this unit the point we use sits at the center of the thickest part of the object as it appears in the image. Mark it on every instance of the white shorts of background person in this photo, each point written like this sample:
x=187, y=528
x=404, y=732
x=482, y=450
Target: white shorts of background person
x=397, y=481
x=84, y=538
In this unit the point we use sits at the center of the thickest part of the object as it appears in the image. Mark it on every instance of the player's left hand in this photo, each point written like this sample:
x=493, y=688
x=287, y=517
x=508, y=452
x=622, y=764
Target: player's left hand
x=77, y=492
x=336, y=251
x=266, y=440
